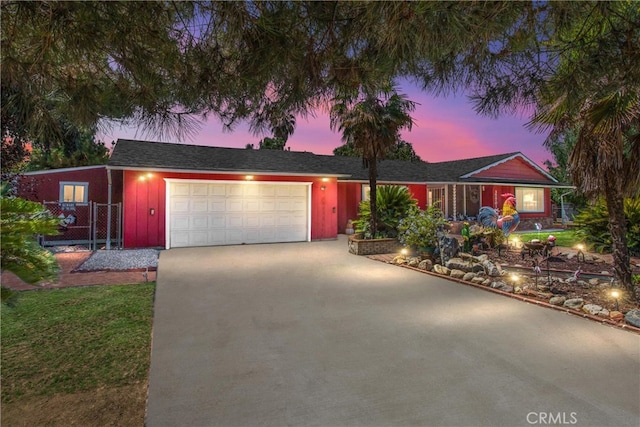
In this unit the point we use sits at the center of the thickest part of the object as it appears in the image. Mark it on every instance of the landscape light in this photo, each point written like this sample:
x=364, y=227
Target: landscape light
x=404, y=251
x=615, y=294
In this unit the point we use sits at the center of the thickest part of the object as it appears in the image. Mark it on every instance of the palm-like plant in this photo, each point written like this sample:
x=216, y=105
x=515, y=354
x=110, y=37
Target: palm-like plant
x=604, y=161
x=373, y=125
x=20, y=221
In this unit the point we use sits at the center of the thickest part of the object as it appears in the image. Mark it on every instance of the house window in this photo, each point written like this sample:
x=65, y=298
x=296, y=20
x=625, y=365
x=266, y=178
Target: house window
x=74, y=192
x=529, y=199
x=366, y=191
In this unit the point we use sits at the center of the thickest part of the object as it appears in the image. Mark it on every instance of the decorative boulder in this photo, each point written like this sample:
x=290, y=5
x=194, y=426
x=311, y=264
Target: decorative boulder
x=413, y=262
x=592, y=309
x=633, y=317
x=457, y=274
x=441, y=270
x=594, y=282
x=557, y=300
x=469, y=276
x=399, y=260
x=426, y=264
x=458, y=264
x=575, y=303
x=449, y=247
x=616, y=315
x=490, y=268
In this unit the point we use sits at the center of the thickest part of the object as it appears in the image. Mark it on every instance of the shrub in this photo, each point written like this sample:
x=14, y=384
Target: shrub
x=593, y=226
x=419, y=229
x=394, y=202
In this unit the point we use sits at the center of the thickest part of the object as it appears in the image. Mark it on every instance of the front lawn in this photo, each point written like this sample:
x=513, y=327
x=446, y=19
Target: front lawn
x=76, y=341
x=565, y=238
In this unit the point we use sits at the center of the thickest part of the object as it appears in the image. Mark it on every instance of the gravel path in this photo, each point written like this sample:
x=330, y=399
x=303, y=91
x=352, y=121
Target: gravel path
x=127, y=259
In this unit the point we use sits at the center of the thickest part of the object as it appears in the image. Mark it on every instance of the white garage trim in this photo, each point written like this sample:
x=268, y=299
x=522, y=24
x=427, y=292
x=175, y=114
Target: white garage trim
x=168, y=201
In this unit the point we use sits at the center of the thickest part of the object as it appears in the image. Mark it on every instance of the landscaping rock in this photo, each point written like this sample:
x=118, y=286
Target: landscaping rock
x=458, y=264
x=594, y=282
x=477, y=268
x=413, y=262
x=480, y=280
x=441, y=270
x=603, y=313
x=633, y=317
x=502, y=286
x=487, y=282
x=575, y=303
x=605, y=273
x=544, y=288
x=557, y=300
x=592, y=309
x=616, y=315
x=490, y=268
x=469, y=276
x=449, y=247
x=457, y=274
x=426, y=264
x=399, y=260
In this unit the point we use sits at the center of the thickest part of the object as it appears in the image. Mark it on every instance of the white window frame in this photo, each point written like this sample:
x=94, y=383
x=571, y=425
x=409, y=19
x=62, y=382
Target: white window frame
x=85, y=198
x=366, y=190
x=538, y=199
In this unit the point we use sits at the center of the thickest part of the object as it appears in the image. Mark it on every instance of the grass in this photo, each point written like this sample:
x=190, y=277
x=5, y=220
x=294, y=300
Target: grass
x=76, y=339
x=565, y=238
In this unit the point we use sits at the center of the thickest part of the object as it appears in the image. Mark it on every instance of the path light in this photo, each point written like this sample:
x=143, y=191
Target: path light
x=615, y=294
x=580, y=248
x=404, y=252
x=515, y=241
x=515, y=279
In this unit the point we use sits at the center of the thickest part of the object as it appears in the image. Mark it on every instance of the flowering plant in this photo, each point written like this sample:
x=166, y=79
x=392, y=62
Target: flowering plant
x=420, y=228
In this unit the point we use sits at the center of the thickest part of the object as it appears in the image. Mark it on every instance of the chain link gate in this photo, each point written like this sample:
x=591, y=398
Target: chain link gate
x=90, y=224
x=107, y=225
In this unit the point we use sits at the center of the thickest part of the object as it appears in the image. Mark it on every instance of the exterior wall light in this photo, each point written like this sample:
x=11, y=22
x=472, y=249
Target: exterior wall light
x=325, y=179
x=249, y=177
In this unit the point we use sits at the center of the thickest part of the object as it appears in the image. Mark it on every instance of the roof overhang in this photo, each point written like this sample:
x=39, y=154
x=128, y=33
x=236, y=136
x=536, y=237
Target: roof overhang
x=62, y=170
x=513, y=183
x=224, y=172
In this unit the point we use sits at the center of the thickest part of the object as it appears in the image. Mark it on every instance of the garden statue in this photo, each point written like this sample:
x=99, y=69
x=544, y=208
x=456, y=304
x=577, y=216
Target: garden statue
x=466, y=237
x=509, y=220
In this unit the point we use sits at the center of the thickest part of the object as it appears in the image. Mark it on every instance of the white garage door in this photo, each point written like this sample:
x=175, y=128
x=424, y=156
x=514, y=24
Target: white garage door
x=223, y=213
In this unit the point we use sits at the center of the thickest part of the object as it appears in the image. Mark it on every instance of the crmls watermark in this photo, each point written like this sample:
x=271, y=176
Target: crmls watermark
x=552, y=418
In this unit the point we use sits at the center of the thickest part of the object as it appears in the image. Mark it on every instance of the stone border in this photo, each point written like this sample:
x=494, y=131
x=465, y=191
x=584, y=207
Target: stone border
x=623, y=325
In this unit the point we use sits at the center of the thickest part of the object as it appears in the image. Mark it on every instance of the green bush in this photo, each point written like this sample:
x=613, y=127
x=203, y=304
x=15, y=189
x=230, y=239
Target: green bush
x=593, y=226
x=394, y=202
x=419, y=228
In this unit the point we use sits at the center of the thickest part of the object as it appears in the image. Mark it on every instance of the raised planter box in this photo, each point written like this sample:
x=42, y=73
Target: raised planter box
x=360, y=246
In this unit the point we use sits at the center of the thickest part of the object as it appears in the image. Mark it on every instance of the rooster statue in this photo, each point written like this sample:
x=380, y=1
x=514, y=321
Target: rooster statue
x=509, y=220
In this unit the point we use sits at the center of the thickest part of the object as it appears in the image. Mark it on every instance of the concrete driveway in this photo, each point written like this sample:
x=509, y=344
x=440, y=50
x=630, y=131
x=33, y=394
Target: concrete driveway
x=307, y=334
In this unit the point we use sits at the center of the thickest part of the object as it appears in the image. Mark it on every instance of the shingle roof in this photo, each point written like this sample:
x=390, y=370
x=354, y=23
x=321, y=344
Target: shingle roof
x=157, y=155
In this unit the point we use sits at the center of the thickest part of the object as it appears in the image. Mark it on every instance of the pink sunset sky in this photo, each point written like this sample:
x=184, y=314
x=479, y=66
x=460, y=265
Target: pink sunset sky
x=444, y=129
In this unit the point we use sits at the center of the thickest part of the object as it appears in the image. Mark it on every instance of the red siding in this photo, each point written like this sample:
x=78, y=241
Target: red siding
x=419, y=192
x=141, y=229
x=516, y=169
x=46, y=186
x=349, y=195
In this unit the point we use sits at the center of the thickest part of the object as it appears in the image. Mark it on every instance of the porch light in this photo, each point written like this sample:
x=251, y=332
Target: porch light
x=249, y=177
x=325, y=179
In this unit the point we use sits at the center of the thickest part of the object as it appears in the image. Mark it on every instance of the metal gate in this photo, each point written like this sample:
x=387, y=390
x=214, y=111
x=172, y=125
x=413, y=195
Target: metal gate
x=90, y=224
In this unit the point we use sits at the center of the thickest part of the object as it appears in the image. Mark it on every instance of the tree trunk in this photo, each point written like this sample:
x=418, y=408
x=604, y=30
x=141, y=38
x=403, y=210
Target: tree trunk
x=373, y=175
x=618, y=230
